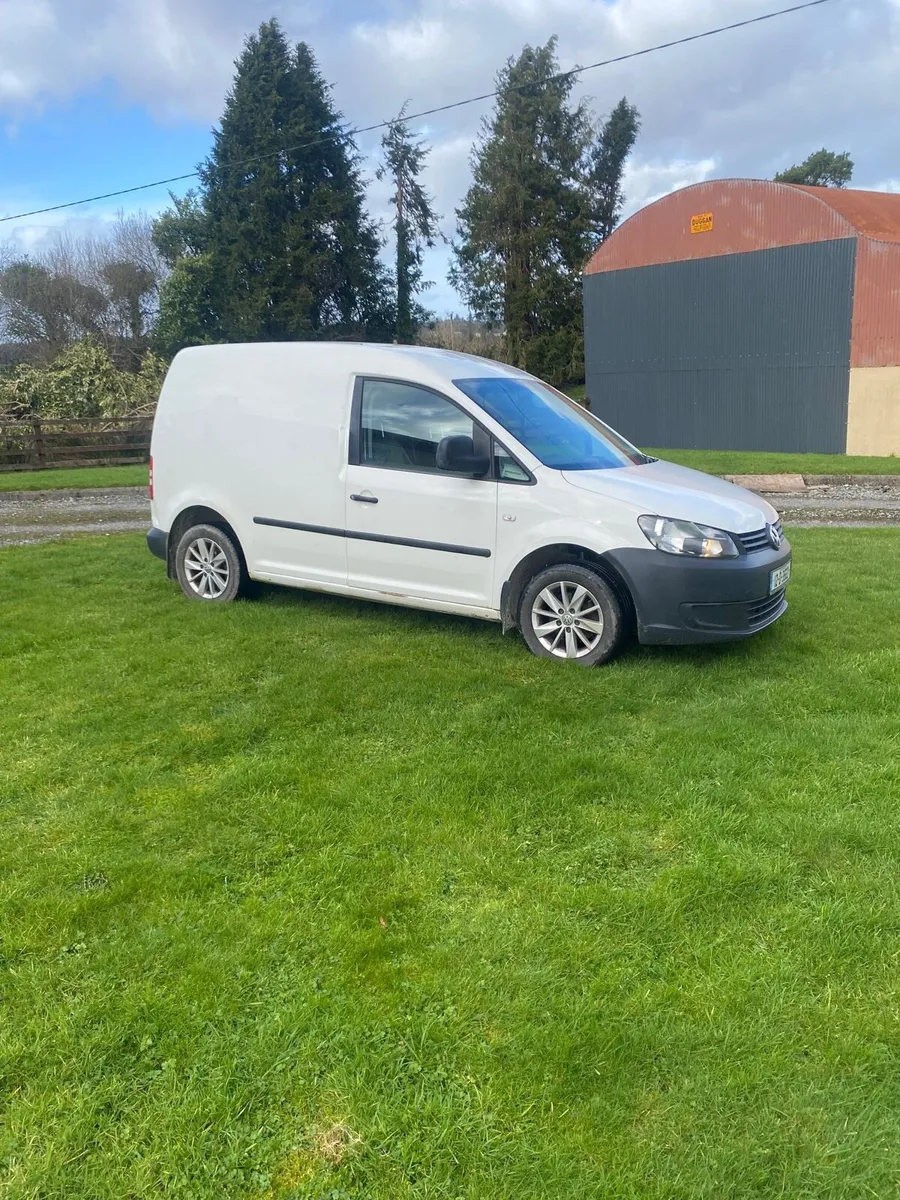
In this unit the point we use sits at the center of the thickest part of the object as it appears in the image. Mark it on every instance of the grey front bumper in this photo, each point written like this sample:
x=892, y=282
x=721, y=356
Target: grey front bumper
x=682, y=601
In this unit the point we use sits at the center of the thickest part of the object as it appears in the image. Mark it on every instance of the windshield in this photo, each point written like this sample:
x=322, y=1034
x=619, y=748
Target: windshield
x=554, y=428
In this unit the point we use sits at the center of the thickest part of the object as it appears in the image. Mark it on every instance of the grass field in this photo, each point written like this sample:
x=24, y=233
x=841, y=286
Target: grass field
x=73, y=477
x=762, y=462
x=715, y=462
x=307, y=898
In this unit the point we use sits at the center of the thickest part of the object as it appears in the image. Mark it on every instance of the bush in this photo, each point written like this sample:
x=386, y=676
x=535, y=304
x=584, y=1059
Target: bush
x=557, y=357
x=81, y=382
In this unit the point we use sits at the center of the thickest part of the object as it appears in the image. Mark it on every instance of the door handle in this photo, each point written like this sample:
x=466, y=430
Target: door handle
x=365, y=499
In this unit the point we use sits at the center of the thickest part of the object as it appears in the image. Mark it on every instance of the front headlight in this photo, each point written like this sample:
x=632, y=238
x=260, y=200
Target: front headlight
x=684, y=537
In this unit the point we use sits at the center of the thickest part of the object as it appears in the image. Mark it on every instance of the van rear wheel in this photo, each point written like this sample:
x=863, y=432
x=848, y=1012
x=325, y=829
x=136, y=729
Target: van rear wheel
x=208, y=565
x=568, y=611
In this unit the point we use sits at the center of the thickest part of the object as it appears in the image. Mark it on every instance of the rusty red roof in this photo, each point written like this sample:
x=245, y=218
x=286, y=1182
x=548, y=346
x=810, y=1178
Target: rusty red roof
x=735, y=216
x=873, y=214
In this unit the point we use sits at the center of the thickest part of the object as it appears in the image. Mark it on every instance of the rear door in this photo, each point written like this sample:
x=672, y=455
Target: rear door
x=412, y=529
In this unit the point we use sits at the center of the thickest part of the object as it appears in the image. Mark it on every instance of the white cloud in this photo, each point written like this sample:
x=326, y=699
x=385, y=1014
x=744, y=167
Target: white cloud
x=645, y=182
x=37, y=234
x=406, y=42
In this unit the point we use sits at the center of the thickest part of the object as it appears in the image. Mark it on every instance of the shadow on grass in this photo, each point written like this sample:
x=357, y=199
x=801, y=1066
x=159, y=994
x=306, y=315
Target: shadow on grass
x=416, y=620
x=356, y=608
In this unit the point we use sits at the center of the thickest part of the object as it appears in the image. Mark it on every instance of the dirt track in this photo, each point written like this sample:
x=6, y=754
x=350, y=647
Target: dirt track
x=27, y=517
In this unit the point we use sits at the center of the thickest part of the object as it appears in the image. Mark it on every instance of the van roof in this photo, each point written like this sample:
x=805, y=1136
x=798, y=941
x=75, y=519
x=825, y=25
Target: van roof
x=416, y=363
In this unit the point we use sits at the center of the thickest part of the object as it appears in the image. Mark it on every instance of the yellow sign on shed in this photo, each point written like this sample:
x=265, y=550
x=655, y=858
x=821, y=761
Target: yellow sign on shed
x=702, y=223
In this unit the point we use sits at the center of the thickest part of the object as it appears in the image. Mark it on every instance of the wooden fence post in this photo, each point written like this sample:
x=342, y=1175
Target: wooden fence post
x=35, y=443
x=38, y=431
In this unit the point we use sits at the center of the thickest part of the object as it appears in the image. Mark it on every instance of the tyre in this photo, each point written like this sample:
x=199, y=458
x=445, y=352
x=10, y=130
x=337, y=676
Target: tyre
x=568, y=611
x=208, y=565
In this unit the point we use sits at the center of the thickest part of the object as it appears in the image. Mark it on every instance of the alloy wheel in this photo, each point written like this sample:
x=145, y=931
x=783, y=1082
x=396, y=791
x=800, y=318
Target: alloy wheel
x=567, y=620
x=206, y=568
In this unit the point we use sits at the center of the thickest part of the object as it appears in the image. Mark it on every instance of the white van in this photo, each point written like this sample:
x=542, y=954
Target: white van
x=448, y=482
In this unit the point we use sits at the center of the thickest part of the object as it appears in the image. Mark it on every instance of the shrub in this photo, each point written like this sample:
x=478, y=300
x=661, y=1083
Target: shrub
x=81, y=382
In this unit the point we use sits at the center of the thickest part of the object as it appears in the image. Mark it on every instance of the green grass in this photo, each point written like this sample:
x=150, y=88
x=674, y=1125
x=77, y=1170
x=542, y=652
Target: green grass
x=73, y=477
x=714, y=462
x=761, y=462
x=302, y=871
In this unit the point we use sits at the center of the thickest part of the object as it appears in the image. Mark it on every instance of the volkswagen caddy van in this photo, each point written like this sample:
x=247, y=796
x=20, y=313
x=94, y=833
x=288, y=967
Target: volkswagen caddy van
x=442, y=481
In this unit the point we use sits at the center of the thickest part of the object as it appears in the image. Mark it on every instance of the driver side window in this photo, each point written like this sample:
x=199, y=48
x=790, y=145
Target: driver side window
x=402, y=425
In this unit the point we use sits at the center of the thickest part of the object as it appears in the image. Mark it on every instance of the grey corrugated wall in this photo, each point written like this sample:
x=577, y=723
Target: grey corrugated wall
x=741, y=352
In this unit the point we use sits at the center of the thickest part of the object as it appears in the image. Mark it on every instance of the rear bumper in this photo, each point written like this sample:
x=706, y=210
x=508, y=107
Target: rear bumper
x=158, y=543
x=684, y=601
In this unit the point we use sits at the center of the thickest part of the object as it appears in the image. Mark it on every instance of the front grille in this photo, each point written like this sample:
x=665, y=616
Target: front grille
x=758, y=539
x=762, y=611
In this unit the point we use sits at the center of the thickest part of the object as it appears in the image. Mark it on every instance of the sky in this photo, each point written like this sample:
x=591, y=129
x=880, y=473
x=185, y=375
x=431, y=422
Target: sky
x=97, y=95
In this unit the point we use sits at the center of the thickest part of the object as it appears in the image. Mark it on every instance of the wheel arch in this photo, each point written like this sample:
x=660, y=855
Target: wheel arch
x=199, y=514
x=548, y=556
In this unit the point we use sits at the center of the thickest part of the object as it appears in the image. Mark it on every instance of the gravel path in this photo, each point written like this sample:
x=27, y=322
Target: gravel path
x=27, y=517
x=851, y=505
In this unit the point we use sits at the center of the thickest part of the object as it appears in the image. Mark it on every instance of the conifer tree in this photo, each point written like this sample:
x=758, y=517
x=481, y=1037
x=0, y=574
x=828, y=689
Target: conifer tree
x=415, y=223
x=524, y=227
x=285, y=247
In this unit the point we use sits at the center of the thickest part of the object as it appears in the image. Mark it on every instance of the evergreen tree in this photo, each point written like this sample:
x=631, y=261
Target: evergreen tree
x=823, y=168
x=286, y=246
x=415, y=222
x=525, y=225
x=186, y=314
x=616, y=141
x=181, y=230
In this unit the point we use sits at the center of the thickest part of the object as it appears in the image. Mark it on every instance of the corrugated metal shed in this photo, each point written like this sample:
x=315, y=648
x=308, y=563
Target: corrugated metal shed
x=873, y=214
x=770, y=365
x=876, y=304
x=747, y=352
x=747, y=215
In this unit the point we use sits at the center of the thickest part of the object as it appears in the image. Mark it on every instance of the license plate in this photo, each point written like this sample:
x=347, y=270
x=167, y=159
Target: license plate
x=778, y=578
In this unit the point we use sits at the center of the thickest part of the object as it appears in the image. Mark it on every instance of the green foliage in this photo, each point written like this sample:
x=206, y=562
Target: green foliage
x=180, y=230
x=17, y=389
x=823, y=168
x=524, y=227
x=616, y=141
x=146, y=385
x=187, y=312
x=415, y=222
x=82, y=381
x=539, y=201
x=301, y=871
x=280, y=247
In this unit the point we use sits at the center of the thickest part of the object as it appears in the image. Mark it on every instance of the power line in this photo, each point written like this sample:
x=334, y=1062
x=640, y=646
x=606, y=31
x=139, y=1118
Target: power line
x=430, y=112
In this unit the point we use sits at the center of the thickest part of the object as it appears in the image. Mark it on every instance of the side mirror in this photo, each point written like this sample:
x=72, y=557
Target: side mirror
x=457, y=453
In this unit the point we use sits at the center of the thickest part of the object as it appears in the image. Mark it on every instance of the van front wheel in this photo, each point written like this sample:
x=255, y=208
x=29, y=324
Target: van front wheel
x=568, y=611
x=208, y=565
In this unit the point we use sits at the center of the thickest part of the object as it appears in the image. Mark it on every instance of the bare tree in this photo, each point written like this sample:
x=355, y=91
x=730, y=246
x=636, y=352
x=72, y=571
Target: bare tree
x=99, y=285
